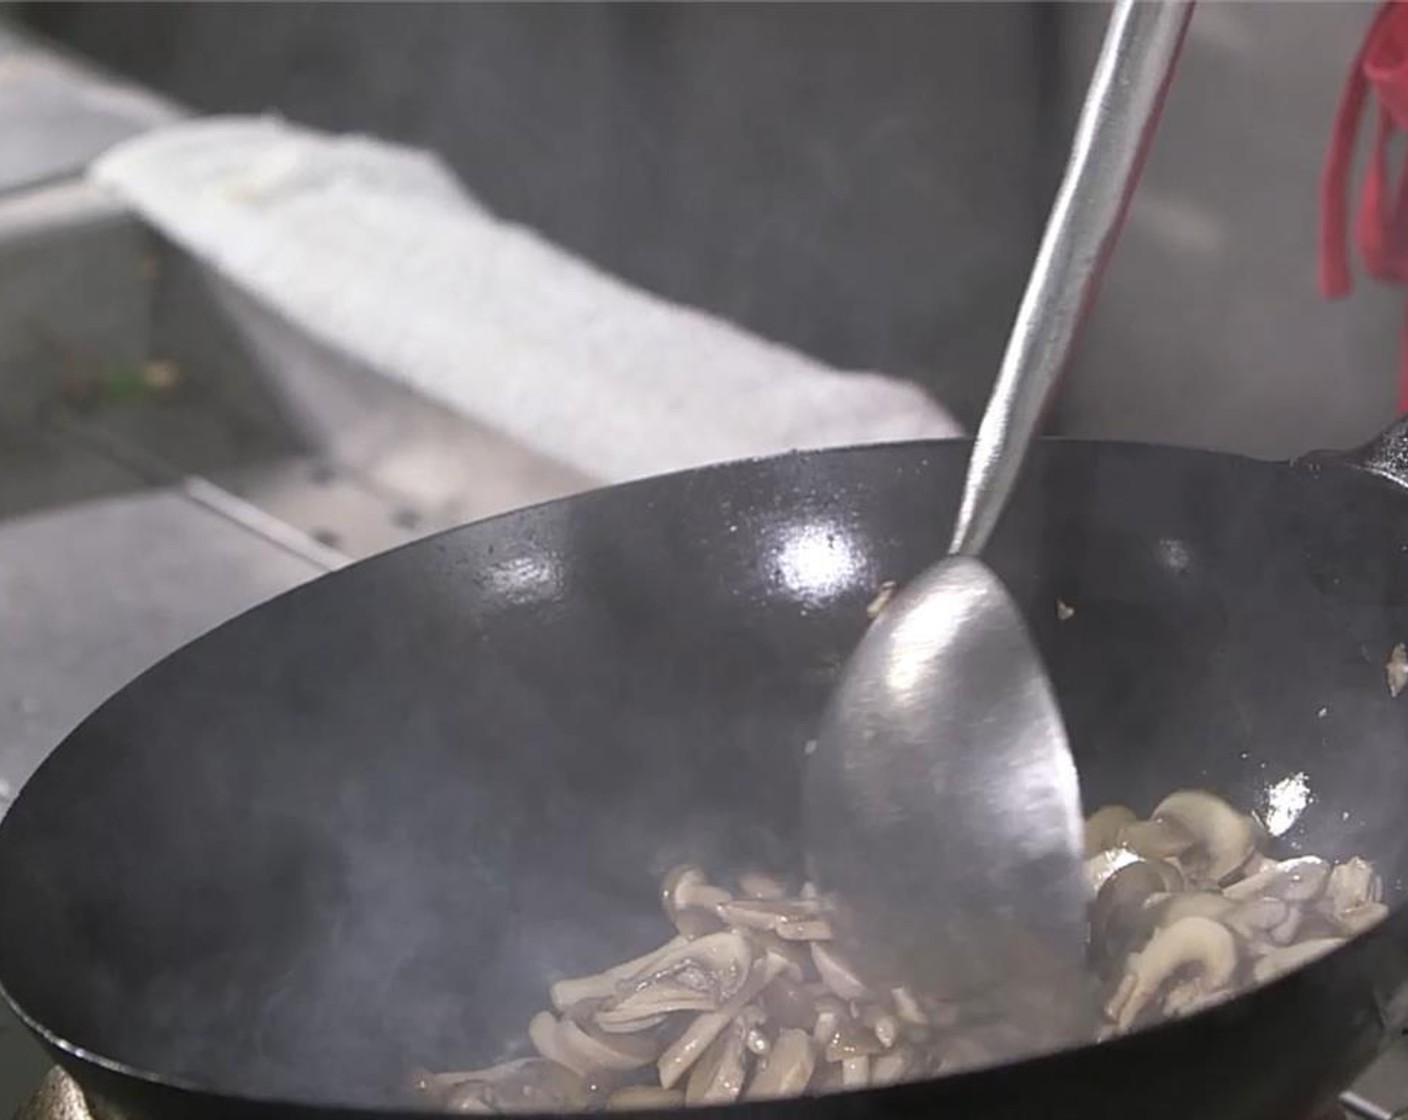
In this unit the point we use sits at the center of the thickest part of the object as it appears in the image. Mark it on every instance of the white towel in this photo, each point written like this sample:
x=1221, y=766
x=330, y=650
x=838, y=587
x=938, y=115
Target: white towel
x=378, y=251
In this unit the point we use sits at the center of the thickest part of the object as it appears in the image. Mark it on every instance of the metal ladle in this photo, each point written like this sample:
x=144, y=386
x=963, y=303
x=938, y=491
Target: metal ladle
x=941, y=801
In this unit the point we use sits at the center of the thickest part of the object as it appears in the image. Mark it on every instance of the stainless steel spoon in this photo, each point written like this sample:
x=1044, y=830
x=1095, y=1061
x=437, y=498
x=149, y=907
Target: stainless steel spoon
x=941, y=801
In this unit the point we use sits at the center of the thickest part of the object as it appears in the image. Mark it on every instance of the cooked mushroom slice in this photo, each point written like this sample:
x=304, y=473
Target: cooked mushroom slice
x=542, y=1033
x=1195, y=953
x=1191, y=904
x=691, y=902
x=797, y=954
x=795, y=919
x=718, y=1075
x=1226, y=839
x=804, y=929
x=1396, y=670
x=1291, y=957
x=1257, y=916
x=603, y=985
x=855, y=1073
x=1358, y=919
x=757, y=1031
x=1351, y=883
x=908, y=1009
x=1156, y=839
x=1294, y=880
x=585, y=1051
x=644, y=1098
x=1103, y=826
x=1117, y=917
x=787, y=1069
x=675, y=1062
x=847, y=1039
x=1173, y=879
x=837, y=972
x=698, y=975
x=883, y=1025
x=1101, y=866
x=893, y=1066
x=525, y=1085
x=1283, y=933
x=789, y=1004
x=757, y=884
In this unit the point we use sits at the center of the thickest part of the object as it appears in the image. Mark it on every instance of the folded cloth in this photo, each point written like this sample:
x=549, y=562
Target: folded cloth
x=378, y=251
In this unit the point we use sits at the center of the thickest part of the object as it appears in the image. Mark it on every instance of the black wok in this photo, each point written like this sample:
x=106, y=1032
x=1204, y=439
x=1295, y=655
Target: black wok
x=362, y=827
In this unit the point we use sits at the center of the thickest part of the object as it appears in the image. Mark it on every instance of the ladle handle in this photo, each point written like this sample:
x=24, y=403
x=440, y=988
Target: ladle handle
x=1117, y=121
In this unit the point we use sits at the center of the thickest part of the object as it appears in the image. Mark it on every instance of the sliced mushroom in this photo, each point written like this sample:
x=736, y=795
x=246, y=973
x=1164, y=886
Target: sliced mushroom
x=1192, y=951
x=675, y=1062
x=836, y=972
x=757, y=1031
x=1226, y=839
x=907, y=1007
x=1117, y=913
x=789, y=1004
x=759, y=982
x=1291, y=957
x=1103, y=826
x=1396, y=670
x=848, y=1039
x=603, y=985
x=1350, y=884
x=1185, y=999
x=691, y=902
x=584, y=1051
x=1294, y=880
x=1156, y=839
x=1173, y=879
x=1191, y=904
x=1287, y=930
x=1102, y=865
x=883, y=1025
x=1256, y=916
x=797, y=954
x=855, y=1072
x=644, y=1098
x=1358, y=919
x=787, y=1069
x=757, y=884
x=698, y=975
x=792, y=919
x=718, y=1075
x=892, y=1067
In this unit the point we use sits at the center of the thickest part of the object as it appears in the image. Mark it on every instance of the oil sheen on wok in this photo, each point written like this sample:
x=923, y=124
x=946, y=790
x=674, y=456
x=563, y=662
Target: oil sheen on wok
x=751, y=998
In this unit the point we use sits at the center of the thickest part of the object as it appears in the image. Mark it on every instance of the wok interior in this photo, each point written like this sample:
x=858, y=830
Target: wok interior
x=363, y=828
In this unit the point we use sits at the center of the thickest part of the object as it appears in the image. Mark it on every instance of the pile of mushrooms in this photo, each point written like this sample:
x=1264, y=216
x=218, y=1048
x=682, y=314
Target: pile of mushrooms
x=1189, y=909
x=753, y=1000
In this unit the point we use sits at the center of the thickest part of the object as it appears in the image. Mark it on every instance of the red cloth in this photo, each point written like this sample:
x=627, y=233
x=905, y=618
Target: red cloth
x=1381, y=224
